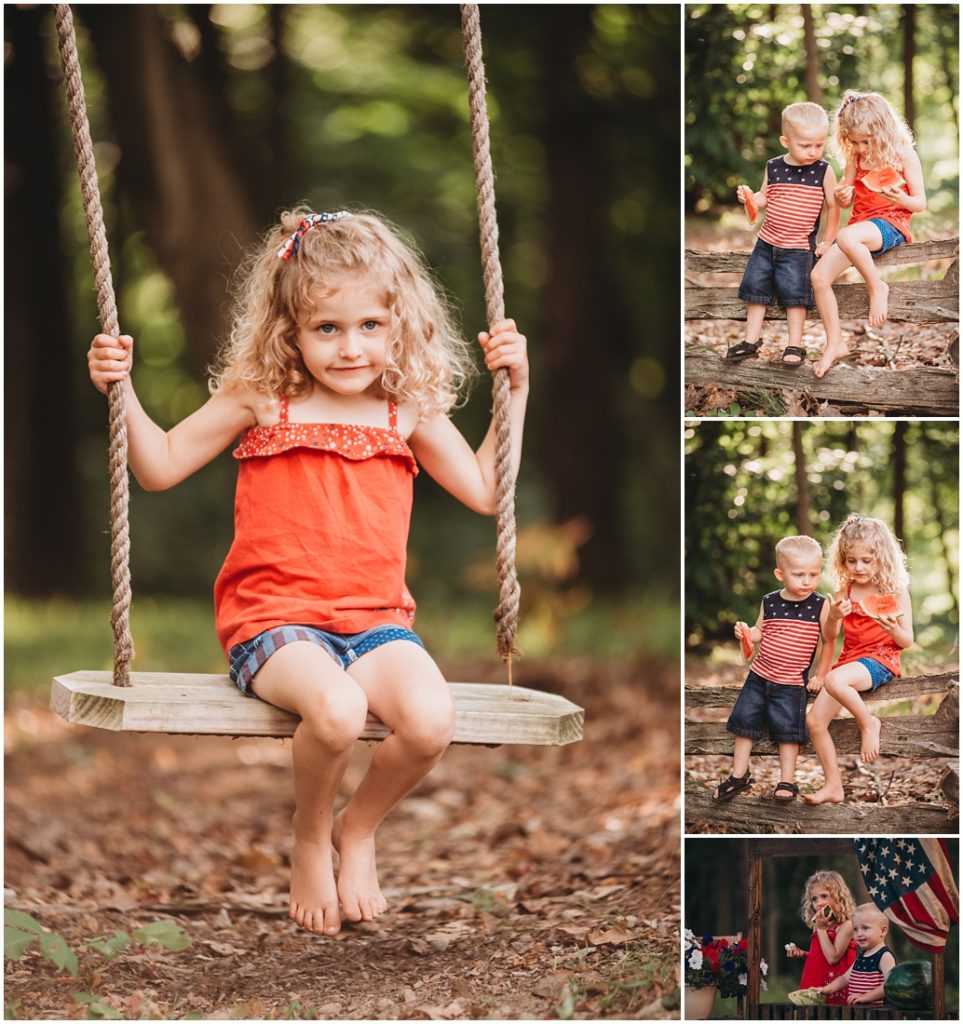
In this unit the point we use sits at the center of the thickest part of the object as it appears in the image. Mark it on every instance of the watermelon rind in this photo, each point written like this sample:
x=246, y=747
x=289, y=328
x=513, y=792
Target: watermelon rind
x=806, y=997
x=909, y=985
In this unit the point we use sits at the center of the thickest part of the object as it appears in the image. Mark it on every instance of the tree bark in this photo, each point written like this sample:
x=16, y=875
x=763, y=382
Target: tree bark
x=899, y=480
x=45, y=553
x=175, y=166
x=803, y=520
x=580, y=410
x=814, y=88
x=908, y=20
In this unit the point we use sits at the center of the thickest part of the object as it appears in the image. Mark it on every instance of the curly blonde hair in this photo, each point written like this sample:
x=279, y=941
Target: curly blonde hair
x=427, y=360
x=868, y=113
x=840, y=898
x=891, y=571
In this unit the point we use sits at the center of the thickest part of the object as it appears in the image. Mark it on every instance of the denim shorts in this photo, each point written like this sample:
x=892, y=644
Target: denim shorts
x=779, y=706
x=878, y=673
x=249, y=655
x=892, y=237
x=779, y=276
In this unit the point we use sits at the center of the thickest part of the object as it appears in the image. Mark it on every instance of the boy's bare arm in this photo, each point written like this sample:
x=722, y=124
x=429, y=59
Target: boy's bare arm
x=833, y=214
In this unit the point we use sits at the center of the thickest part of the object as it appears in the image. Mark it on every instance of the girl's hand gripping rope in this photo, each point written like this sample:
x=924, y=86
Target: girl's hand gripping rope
x=505, y=348
x=109, y=359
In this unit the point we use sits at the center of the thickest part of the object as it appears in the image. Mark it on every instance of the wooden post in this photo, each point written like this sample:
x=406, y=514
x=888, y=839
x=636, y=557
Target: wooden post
x=755, y=934
x=939, y=995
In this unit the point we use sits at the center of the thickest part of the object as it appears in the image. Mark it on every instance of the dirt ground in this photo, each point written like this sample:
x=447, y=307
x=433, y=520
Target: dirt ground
x=523, y=882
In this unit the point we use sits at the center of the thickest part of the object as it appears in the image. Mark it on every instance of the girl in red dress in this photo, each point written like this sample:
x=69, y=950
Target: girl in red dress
x=827, y=907
x=341, y=369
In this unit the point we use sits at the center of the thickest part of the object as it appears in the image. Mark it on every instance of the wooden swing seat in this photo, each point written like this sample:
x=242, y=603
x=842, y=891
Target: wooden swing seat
x=200, y=704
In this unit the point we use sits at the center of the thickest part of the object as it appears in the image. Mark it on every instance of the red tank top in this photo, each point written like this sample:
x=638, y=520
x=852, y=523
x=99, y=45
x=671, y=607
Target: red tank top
x=863, y=637
x=868, y=204
x=818, y=971
x=321, y=518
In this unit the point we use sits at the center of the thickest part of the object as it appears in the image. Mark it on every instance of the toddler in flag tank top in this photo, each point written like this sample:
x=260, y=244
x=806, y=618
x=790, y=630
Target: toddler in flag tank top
x=339, y=374
x=774, y=696
x=883, y=183
x=795, y=189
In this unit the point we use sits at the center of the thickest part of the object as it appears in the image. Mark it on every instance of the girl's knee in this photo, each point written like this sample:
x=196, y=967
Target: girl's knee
x=834, y=684
x=848, y=240
x=430, y=731
x=336, y=719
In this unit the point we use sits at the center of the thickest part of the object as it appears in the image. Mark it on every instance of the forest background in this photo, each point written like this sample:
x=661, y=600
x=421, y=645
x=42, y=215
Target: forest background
x=208, y=120
x=748, y=484
x=745, y=62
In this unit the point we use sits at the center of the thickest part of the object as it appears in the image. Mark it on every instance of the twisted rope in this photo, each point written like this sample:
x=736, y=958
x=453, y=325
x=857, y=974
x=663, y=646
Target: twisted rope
x=506, y=614
x=107, y=312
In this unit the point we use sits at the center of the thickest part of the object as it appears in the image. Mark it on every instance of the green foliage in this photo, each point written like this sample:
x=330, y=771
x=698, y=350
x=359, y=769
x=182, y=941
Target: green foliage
x=22, y=930
x=742, y=497
x=745, y=62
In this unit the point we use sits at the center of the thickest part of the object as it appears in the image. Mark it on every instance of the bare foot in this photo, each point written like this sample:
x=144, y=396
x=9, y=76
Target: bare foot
x=826, y=795
x=358, y=886
x=831, y=353
x=869, y=748
x=878, y=303
x=314, y=895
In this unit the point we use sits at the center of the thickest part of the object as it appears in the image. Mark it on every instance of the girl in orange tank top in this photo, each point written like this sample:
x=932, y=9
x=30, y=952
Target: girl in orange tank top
x=883, y=182
x=339, y=375
x=872, y=608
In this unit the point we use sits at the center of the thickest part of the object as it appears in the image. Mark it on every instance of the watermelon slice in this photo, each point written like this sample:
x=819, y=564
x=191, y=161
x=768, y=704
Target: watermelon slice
x=807, y=997
x=752, y=211
x=881, y=604
x=746, y=645
x=885, y=177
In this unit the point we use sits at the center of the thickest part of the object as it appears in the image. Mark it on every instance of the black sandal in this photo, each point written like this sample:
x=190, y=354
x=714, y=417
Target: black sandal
x=793, y=350
x=744, y=350
x=789, y=787
x=733, y=785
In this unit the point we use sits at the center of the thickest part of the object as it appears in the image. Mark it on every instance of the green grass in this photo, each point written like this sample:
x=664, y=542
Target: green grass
x=47, y=638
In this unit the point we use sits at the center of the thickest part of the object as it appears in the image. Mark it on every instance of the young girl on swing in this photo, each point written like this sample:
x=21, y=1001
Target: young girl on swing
x=339, y=373
x=872, y=607
x=883, y=182
x=827, y=908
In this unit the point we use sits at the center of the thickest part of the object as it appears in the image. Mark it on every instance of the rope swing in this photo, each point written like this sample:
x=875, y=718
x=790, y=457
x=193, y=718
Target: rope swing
x=211, y=704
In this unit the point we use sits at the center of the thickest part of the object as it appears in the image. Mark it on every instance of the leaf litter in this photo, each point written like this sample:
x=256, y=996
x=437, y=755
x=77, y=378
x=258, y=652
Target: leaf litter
x=523, y=882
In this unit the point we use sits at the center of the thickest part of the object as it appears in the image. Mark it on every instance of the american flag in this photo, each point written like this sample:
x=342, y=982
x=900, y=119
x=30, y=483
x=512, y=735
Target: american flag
x=912, y=882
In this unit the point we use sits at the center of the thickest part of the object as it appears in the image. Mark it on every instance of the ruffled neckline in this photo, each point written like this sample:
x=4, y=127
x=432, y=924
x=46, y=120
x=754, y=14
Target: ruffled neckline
x=351, y=441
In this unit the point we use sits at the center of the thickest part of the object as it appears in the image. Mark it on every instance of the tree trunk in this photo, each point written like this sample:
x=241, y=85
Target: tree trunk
x=899, y=479
x=803, y=519
x=175, y=166
x=581, y=318
x=814, y=88
x=44, y=546
x=908, y=20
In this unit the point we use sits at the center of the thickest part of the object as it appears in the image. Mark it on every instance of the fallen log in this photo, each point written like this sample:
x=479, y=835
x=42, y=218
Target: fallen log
x=923, y=389
x=755, y=814
x=908, y=736
x=896, y=689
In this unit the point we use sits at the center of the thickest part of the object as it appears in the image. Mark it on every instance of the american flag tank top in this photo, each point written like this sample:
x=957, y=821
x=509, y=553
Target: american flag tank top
x=790, y=632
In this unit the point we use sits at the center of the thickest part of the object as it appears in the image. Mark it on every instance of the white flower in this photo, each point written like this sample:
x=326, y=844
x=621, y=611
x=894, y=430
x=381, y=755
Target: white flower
x=689, y=936
x=765, y=987
x=743, y=979
x=764, y=967
x=695, y=960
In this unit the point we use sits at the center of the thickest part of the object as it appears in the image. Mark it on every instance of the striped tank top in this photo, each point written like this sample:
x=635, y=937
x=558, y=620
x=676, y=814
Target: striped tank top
x=794, y=201
x=790, y=632
x=866, y=974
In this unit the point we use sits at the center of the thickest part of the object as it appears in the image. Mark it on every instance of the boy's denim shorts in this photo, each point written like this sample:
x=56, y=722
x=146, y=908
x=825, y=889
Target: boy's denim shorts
x=249, y=655
x=779, y=706
x=892, y=237
x=779, y=276
x=877, y=672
